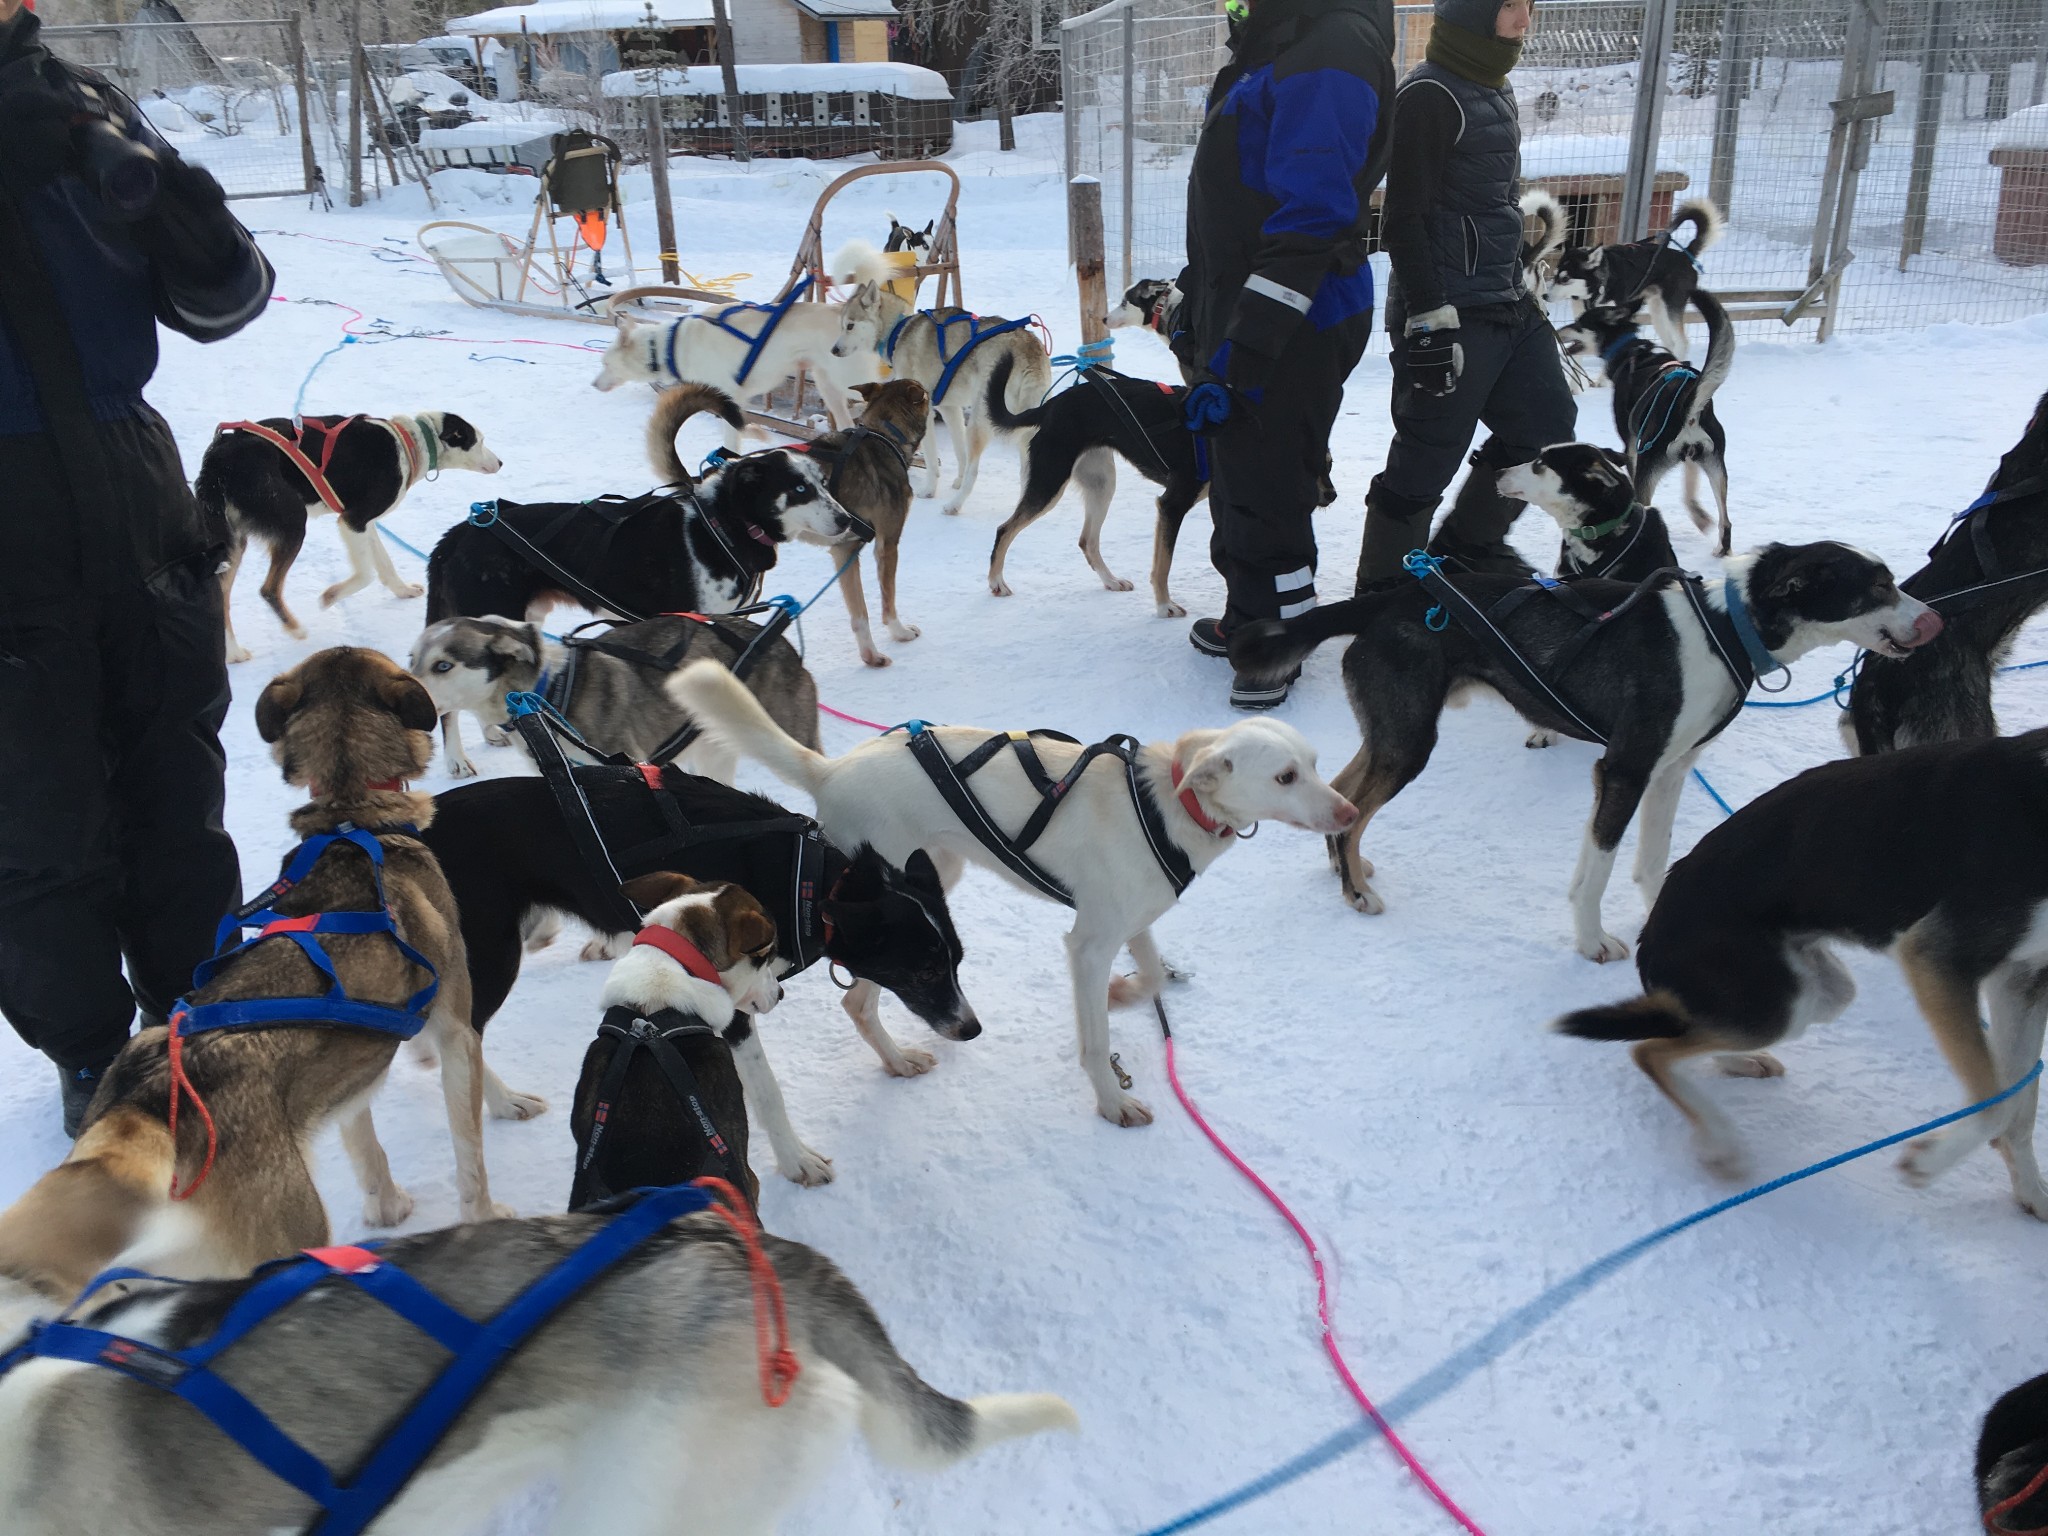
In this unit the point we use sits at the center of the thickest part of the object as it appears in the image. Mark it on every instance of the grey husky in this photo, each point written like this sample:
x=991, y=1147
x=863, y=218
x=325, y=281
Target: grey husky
x=641, y=1397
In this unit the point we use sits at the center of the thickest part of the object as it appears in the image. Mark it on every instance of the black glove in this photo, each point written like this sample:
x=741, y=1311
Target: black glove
x=1434, y=360
x=190, y=228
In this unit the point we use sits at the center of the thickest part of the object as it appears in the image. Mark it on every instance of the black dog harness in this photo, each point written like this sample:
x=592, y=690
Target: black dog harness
x=950, y=779
x=748, y=551
x=656, y=1034
x=1991, y=571
x=1731, y=634
x=477, y=1350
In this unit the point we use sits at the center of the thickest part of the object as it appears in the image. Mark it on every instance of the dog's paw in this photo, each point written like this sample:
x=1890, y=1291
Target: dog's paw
x=408, y=589
x=511, y=1104
x=909, y=1061
x=1169, y=610
x=898, y=630
x=1125, y=1111
x=334, y=594
x=461, y=768
x=1365, y=899
x=1750, y=1064
x=951, y=507
x=488, y=1210
x=296, y=630
x=2034, y=1201
x=997, y=588
x=1603, y=949
x=497, y=736
x=811, y=1168
x=1923, y=1161
x=1127, y=990
x=387, y=1208
x=1117, y=584
x=1724, y=1160
x=239, y=652
x=1539, y=739
x=877, y=659
x=606, y=946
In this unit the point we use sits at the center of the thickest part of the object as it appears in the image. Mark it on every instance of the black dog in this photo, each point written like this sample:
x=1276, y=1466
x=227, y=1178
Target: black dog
x=1652, y=671
x=1938, y=854
x=1658, y=274
x=1663, y=408
x=367, y=464
x=509, y=854
x=1080, y=431
x=1607, y=532
x=2012, y=1461
x=703, y=549
x=1987, y=575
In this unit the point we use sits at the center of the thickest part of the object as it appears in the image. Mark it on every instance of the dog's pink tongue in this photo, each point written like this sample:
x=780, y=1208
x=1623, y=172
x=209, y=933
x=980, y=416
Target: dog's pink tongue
x=1926, y=627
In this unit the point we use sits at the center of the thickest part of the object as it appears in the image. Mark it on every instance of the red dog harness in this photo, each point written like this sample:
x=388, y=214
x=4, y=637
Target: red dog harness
x=328, y=429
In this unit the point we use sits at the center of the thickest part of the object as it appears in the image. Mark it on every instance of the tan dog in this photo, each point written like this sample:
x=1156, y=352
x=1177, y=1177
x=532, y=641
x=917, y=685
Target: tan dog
x=349, y=724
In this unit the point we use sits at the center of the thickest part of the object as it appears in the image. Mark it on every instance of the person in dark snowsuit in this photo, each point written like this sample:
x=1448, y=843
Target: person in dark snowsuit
x=1278, y=298
x=1470, y=345
x=113, y=680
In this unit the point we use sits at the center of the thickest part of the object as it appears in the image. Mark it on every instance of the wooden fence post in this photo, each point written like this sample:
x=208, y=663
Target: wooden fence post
x=664, y=208
x=355, y=105
x=1084, y=218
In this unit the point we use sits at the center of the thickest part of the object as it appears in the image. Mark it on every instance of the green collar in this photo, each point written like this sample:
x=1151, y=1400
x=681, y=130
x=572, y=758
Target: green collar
x=1482, y=60
x=1586, y=533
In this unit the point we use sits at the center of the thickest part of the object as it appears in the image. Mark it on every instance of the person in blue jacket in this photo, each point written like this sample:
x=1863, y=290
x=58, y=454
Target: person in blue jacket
x=113, y=680
x=1278, y=297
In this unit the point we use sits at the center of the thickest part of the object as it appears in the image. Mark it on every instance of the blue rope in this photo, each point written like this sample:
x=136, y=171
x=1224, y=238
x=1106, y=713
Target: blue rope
x=1726, y=808
x=1526, y=1319
x=299, y=401
x=394, y=538
x=1842, y=680
x=1090, y=354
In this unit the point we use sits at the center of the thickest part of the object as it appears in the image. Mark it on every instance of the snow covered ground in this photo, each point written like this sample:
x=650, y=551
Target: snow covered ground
x=1814, y=1362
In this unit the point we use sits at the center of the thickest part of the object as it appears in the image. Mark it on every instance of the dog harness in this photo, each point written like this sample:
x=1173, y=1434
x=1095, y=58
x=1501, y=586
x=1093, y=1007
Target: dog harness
x=477, y=1349
x=1733, y=639
x=333, y=1009
x=1990, y=569
x=539, y=726
x=842, y=455
x=772, y=317
x=329, y=430
x=614, y=512
x=1672, y=388
x=943, y=325
x=950, y=779
x=632, y=1032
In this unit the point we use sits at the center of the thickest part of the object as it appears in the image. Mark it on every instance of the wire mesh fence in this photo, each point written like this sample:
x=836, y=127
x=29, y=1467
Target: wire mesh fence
x=227, y=95
x=1880, y=165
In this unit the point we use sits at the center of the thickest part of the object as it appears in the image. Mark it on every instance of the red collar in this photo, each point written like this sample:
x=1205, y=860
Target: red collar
x=1193, y=807
x=680, y=950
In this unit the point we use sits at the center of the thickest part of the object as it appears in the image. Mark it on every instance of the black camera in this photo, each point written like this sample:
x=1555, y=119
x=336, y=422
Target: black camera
x=123, y=172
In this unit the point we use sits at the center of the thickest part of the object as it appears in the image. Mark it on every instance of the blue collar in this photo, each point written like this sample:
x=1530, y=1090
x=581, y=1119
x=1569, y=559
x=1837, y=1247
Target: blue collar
x=1607, y=354
x=1745, y=630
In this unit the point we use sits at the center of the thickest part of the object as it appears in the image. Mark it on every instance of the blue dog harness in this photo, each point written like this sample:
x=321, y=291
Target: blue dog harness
x=477, y=1349
x=723, y=320
x=977, y=333
x=335, y=1008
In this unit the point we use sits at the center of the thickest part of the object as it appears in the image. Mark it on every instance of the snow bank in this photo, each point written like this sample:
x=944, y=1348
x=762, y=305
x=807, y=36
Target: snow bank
x=907, y=81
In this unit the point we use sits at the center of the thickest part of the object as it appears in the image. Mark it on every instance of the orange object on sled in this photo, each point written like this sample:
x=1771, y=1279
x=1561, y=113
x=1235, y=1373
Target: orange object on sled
x=592, y=224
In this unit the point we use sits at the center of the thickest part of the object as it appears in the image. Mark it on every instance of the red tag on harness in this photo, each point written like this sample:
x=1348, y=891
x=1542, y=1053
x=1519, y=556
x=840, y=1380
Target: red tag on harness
x=304, y=924
x=651, y=772
x=347, y=1260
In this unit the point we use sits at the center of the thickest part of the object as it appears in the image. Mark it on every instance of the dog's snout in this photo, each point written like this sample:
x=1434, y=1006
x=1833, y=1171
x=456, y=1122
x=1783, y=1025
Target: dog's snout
x=1345, y=813
x=966, y=1027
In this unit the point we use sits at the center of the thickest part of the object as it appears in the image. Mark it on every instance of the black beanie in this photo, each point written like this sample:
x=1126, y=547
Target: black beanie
x=1473, y=15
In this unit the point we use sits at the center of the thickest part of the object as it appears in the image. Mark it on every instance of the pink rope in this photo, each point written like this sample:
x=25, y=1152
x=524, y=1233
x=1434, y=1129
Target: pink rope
x=1315, y=1260
x=840, y=714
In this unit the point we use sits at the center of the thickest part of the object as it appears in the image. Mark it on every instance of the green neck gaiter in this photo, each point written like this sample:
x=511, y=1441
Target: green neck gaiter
x=1483, y=60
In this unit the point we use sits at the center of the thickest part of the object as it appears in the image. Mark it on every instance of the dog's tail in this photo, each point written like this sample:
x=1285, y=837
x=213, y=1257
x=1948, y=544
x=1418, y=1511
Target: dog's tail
x=721, y=704
x=675, y=406
x=1705, y=220
x=1000, y=411
x=1024, y=386
x=1553, y=224
x=1653, y=1016
x=1271, y=648
x=859, y=262
x=905, y=1420
x=1720, y=348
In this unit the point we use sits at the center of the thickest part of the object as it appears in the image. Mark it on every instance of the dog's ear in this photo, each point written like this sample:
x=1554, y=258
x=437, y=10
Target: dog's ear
x=1595, y=255
x=749, y=932
x=406, y=697
x=1615, y=457
x=919, y=870
x=275, y=704
x=1787, y=584
x=866, y=391
x=1208, y=771
x=515, y=643
x=650, y=890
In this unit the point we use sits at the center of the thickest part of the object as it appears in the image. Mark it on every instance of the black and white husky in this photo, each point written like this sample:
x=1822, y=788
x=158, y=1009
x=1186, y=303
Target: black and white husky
x=1652, y=678
x=641, y=1397
x=1607, y=531
x=1938, y=854
x=1664, y=408
x=371, y=463
x=701, y=550
x=1657, y=275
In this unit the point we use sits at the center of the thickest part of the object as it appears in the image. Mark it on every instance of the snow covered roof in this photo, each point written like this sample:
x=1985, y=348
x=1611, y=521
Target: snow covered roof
x=848, y=10
x=489, y=134
x=550, y=18
x=2025, y=129
x=909, y=82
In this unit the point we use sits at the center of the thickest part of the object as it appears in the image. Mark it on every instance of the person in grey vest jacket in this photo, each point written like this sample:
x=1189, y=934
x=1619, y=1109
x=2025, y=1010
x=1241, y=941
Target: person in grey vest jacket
x=114, y=865
x=1470, y=345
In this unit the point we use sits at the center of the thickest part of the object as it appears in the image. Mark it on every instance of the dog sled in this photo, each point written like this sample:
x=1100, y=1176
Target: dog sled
x=566, y=278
